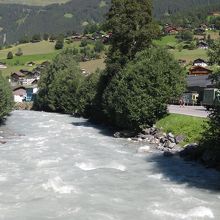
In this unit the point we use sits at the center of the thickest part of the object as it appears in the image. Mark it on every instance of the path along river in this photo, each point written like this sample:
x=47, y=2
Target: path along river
x=65, y=168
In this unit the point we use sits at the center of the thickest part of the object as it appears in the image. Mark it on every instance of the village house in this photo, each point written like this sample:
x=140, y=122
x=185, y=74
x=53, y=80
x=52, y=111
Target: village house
x=17, y=77
x=199, y=70
x=19, y=94
x=203, y=45
x=3, y=66
x=31, y=63
x=200, y=62
x=170, y=30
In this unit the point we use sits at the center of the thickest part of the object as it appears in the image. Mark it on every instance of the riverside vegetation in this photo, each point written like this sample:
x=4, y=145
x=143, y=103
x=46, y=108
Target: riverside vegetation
x=136, y=85
x=6, y=101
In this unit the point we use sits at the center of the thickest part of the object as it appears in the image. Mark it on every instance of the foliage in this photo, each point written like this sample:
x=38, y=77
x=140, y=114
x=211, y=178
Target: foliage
x=211, y=137
x=46, y=36
x=91, y=28
x=83, y=43
x=59, y=44
x=50, y=19
x=6, y=102
x=59, y=84
x=99, y=46
x=19, y=52
x=36, y=38
x=138, y=95
x=132, y=30
x=87, y=93
x=214, y=53
x=188, y=126
x=186, y=36
x=10, y=55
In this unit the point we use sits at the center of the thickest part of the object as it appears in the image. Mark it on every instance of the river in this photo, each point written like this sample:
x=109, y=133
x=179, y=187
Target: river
x=65, y=168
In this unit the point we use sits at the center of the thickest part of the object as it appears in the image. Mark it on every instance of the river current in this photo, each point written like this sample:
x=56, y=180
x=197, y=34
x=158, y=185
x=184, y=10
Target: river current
x=65, y=168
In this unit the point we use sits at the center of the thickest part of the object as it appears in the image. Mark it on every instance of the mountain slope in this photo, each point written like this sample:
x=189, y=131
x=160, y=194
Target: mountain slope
x=20, y=20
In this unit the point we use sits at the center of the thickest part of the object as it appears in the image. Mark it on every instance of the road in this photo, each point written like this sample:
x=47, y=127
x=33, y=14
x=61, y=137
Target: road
x=198, y=111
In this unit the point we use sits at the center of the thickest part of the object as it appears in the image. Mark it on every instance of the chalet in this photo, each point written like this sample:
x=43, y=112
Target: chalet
x=200, y=62
x=31, y=63
x=19, y=94
x=34, y=82
x=77, y=37
x=199, y=31
x=199, y=70
x=170, y=30
x=17, y=77
x=203, y=45
x=3, y=66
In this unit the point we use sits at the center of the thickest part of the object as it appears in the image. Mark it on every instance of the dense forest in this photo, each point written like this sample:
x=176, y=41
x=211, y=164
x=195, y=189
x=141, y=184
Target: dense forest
x=61, y=18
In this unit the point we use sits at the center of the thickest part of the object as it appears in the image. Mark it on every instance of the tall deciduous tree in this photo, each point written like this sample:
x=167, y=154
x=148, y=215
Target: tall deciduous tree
x=59, y=84
x=132, y=30
x=139, y=94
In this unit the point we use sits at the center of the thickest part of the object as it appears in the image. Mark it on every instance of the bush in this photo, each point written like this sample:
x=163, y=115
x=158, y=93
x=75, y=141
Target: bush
x=10, y=55
x=87, y=93
x=139, y=94
x=6, y=102
x=19, y=52
x=59, y=44
x=99, y=46
x=59, y=84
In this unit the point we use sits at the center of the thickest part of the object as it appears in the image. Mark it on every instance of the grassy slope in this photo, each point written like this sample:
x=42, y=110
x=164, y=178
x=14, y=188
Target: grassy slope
x=33, y=2
x=43, y=47
x=190, y=127
x=39, y=52
x=167, y=40
x=190, y=55
x=93, y=65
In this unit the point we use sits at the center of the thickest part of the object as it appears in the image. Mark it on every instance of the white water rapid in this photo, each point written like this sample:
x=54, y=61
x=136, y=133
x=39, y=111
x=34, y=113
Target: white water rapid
x=65, y=168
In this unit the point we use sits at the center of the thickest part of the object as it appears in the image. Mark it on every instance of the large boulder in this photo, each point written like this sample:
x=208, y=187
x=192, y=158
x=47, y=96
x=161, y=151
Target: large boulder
x=143, y=149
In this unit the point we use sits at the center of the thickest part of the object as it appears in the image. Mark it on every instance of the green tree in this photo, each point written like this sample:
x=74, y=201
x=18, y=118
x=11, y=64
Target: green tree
x=87, y=93
x=59, y=84
x=186, y=36
x=59, y=43
x=10, y=55
x=214, y=53
x=99, y=46
x=83, y=43
x=46, y=36
x=132, y=30
x=139, y=94
x=19, y=52
x=6, y=102
x=36, y=38
x=210, y=143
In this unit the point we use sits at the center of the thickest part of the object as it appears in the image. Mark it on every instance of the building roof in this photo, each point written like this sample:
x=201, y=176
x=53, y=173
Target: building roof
x=199, y=70
x=19, y=74
x=202, y=81
x=199, y=60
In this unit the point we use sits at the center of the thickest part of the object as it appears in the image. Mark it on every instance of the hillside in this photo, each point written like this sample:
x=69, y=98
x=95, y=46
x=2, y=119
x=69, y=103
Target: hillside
x=33, y=2
x=18, y=20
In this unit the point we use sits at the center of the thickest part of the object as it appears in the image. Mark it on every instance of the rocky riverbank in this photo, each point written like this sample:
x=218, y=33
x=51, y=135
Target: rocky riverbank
x=23, y=106
x=168, y=144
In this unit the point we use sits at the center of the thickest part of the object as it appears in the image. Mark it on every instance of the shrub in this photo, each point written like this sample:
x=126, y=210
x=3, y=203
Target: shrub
x=139, y=94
